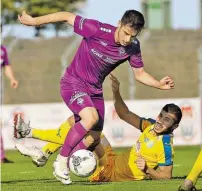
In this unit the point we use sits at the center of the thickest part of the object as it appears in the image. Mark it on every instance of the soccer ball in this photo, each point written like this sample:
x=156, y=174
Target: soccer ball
x=82, y=163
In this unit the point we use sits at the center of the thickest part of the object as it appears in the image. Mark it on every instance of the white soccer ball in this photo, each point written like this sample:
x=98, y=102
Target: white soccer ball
x=83, y=163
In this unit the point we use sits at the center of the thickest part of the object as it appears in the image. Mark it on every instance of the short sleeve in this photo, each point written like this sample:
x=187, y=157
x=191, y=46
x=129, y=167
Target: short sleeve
x=136, y=60
x=144, y=123
x=85, y=27
x=4, y=56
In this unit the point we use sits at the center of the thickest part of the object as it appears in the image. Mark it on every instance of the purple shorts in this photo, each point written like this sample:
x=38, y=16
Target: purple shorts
x=77, y=97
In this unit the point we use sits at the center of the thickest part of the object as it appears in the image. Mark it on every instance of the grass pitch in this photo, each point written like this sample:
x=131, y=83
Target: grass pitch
x=24, y=176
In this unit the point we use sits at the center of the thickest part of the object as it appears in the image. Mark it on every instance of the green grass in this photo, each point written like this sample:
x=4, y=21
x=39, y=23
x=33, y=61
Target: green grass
x=24, y=176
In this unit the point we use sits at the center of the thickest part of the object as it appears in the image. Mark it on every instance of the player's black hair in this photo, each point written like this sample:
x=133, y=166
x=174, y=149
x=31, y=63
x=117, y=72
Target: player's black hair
x=174, y=109
x=134, y=19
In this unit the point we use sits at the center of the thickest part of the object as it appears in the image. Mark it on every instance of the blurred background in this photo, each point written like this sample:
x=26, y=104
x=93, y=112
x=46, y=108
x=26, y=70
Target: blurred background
x=171, y=45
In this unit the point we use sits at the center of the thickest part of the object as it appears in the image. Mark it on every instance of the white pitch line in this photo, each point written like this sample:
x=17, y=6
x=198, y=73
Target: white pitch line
x=27, y=172
x=177, y=165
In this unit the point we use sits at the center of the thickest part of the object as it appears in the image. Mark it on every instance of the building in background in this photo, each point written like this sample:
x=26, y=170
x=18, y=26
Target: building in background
x=159, y=14
x=176, y=14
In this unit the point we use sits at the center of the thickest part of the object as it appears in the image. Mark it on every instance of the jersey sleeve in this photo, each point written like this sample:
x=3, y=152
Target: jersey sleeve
x=85, y=27
x=144, y=123
x=135, y=59
x=165, y=155
x=4, y=60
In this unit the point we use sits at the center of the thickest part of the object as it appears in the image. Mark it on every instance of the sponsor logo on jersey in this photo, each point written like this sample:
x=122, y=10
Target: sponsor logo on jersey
x=77, y=95
x=103, y=57
x=80, y=101
x=105, y=30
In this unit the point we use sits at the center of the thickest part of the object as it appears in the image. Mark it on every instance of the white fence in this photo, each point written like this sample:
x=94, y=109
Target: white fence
x=119, y=133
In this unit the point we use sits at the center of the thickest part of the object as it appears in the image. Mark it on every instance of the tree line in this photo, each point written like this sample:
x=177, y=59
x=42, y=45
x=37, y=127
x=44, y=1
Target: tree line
x=11, y=8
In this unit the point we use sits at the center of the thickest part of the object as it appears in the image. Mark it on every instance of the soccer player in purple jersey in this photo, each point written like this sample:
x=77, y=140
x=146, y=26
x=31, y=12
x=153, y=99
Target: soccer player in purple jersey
x=103, y=48
x=14, y=84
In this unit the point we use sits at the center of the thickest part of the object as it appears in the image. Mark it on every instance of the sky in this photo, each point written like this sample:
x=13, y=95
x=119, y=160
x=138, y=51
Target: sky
x=108, y=11
x=111, y=11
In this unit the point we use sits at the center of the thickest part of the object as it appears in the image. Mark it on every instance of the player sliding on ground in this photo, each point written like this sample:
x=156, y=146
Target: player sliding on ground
x=151, y=156
x=103, y=48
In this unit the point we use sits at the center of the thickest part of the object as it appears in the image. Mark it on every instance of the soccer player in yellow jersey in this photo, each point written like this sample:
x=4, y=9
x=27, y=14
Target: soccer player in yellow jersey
x=191, y=179
x=150, y=157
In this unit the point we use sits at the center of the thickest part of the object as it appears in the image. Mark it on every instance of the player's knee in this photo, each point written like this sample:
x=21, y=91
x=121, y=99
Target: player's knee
x=90, y=120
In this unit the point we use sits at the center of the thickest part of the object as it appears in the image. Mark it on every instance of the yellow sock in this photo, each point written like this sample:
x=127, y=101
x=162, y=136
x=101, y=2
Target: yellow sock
x=54, y=135
x=50, y=148
x=196, y=169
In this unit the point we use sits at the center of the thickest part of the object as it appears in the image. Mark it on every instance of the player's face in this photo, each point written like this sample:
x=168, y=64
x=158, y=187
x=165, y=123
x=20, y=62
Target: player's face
x=165, y=122
x=126, y=34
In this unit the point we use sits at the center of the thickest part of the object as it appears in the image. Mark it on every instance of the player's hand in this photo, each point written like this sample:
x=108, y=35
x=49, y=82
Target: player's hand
x=14, y=83
x=27, y=19
x=141, y=163
x=166, y=83
x=115, y=83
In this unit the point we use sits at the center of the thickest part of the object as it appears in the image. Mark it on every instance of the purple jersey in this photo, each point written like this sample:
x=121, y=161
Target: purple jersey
x=4, y=56
x=99, y=54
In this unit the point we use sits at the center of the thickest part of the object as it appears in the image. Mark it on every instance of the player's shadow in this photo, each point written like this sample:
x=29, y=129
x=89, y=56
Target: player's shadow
x=84, y=182
x=30, y=180
x=181, y=177
x=53, y=180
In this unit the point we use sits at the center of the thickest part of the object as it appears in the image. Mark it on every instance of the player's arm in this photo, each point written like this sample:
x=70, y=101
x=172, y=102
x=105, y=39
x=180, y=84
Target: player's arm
x=163, y=172
x=49, y=18
x=9, y=74
x=142, y=76
x=122, y=110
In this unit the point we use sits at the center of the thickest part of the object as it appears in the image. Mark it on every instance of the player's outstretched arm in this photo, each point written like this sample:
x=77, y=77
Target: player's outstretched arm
x=121, y=108
x=50, y=18
x=142, y=76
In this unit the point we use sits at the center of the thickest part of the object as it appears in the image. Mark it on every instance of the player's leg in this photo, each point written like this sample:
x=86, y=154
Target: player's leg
x=93, y=139
x=190, y=181
x=50, y=148
x=55, y=137
x=105, y=154
x=39, y=156
x=91, y=113
x=103, y=150
x=89, y=117
x=101, y=155
x=79, y=103
x=52, y=135
x=23, y=130
x=3, y=157
x=2, y=151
